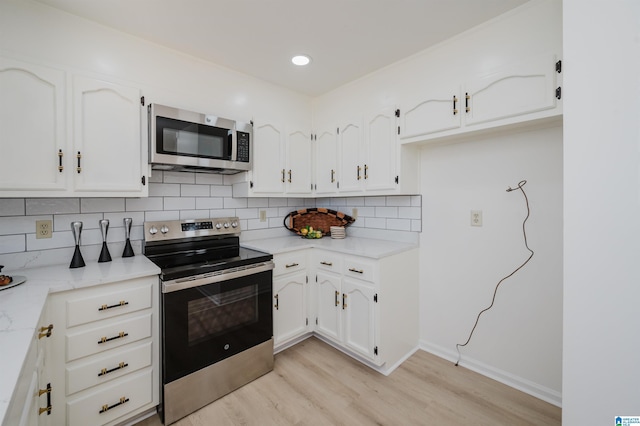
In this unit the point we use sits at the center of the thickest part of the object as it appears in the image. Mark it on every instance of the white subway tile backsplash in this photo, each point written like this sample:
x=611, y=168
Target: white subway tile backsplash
x=188, y=190
x=143, y=204
x=234, y=203
x=101, y=205
x=156, y=176
x=399, y=224
x=295, y=201
x=36, y=206
x=256, y=224
x=416, y=225
x=375, y=201
x=12, y=207
x=222, y=212
x=179, y=203
x=410, y=212
x=20, y=224
x=247, y=213
x=278, y=202
x=179, y=177
x=386, y=212
x=375, y=222
x=116, y=220
x=162, y=215
x=62, y=222
x=258, y=202
x=366, y=211
x=221, y=191
x=399, y=200
x=12, y=243
x=193, y=214
x=416, y=200
x=355, y=201
x=57, y=240
x=209, y=179
x=164, y=190
x=209, y=203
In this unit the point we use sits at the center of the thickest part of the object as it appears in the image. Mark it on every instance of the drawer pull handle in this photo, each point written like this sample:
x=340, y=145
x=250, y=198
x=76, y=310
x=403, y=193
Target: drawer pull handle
x=277, y=305
x=105, y=307
x=344, y=301
x=337, y=294
x=359, y=271
x=326, y=263
x=105, y=339
x=291, y=265
x=60, y=166
x=47, y=409
x=120, y=366
x=79, y=156
x=45, y=331
x=108, y=407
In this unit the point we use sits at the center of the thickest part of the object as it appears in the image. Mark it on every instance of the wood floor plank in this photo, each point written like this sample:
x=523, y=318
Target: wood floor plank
x=315, y=384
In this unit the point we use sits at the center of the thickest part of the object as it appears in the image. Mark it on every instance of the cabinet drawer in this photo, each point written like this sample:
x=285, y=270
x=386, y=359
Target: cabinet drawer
x=110, y=303
x=328, y=262
x=359, y=268
x=106, y=337
x=289, y=262
x=101, y=370
x=110, y=401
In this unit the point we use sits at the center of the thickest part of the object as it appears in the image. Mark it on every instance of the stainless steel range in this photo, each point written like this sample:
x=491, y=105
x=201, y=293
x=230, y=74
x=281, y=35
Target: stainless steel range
x=217, y=321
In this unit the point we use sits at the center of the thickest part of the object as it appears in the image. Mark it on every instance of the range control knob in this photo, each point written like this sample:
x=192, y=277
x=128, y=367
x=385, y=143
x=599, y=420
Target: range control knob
x=164, y=229
x=234, y=224
x=226, y=225
x=153, y=230
x=218, y=226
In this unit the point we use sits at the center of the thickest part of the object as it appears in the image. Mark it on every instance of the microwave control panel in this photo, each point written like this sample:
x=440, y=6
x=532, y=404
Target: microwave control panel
x=243, y=147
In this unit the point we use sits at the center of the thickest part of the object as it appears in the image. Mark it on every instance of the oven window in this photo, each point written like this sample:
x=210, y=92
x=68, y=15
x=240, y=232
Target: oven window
x=213, y=315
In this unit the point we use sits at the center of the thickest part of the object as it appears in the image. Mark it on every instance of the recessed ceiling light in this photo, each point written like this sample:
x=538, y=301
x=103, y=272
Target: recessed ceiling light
x=301, y=60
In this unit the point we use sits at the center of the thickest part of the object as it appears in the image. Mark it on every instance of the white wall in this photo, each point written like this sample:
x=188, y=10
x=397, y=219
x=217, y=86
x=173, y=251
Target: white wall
x=601, y=369
x=519, y=340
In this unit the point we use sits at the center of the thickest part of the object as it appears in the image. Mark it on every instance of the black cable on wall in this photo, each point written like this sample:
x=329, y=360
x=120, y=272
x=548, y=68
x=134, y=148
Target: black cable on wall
x=521, y=184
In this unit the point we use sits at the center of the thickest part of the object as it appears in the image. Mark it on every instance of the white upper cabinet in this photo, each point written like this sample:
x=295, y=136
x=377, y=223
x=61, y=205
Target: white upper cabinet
x=298, y=163
x=381, y=141
x=350, y=155
x=106, y=137
x=326, y=160
x=516, y=89
x=268, y=173
x=88, y=144
x=435, y=111
x=32, y=128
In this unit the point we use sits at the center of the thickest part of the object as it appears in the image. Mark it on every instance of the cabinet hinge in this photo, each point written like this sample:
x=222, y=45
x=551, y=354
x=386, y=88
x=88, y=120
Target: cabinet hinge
x=398, y=113
x=144, y=181
x=142, y=100
x=250, y=184
x=559, y=93
x=398, y=129
x=397, y=179
x=375, y=298
x=375, y=350
x=559, y=67
x=251, y=121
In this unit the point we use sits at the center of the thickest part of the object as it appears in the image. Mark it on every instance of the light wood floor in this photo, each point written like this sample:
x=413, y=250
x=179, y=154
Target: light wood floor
x=314, y=384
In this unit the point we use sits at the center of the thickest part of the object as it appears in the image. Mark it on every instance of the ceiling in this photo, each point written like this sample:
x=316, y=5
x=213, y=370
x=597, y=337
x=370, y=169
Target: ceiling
x=346, y=39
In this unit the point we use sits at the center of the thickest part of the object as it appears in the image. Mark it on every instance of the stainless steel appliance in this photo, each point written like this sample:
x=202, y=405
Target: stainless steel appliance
x=186, y=140
x=216, y=313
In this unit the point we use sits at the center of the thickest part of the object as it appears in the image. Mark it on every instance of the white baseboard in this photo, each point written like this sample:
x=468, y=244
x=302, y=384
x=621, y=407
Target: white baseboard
x=534, y=389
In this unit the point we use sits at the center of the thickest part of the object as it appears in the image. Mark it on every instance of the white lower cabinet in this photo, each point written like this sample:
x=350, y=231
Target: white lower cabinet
x=290, y=317
x=104, y=353
x=368, y=307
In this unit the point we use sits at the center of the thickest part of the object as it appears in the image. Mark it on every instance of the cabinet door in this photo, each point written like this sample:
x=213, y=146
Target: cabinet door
x=329, y=305
x=517, y=89
x=299, y=162
x=436, y=111
x=106, y=132
x=351, y=168
x=358, y=317
x=290, y=307
x=32, y=128
x=382, y=145
x=268, y=173
x=326, y=160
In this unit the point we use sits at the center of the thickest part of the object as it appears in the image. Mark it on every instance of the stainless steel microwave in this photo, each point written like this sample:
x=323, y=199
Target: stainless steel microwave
x=189, y=141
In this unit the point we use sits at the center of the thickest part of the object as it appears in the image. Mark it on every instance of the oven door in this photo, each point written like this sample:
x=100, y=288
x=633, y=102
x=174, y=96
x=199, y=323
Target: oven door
x=210, y=321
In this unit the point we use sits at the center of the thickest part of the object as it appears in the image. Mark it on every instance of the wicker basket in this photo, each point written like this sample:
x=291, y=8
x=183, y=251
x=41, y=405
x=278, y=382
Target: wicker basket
x=319, y=218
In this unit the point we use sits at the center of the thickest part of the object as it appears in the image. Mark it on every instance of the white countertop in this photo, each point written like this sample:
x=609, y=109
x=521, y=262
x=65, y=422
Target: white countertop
x=21, y=306
x=367, y=247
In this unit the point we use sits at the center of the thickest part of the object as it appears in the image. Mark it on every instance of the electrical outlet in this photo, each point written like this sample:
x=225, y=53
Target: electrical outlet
x=263, y=215
x=354, y=213
x=43, y=229
x=476, y=217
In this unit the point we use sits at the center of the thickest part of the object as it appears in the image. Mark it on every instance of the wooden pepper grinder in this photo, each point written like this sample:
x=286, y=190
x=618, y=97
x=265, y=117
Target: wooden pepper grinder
x=105, y=256
x=77, y=261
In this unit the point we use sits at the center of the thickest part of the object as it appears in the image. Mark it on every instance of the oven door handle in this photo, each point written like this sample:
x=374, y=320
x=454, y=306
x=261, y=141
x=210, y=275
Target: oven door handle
x=216, y=277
